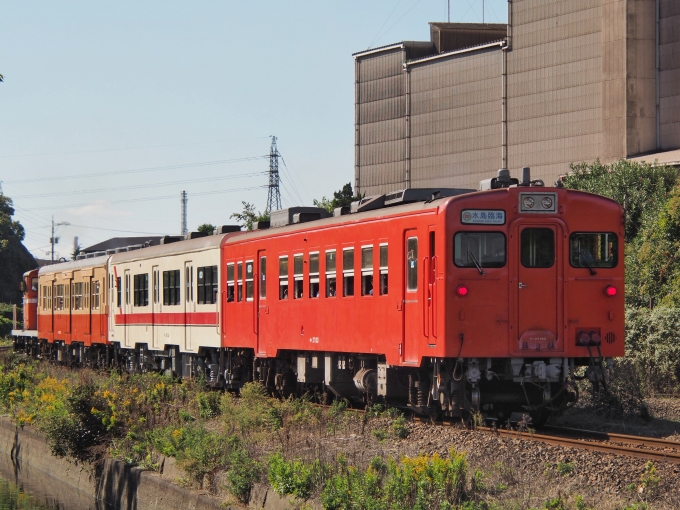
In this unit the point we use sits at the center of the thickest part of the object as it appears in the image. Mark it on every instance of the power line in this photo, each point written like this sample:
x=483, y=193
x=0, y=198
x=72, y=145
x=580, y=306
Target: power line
x=383, y=25
x=131, y=148
x=138, y=170
x=290, y=176
x=139, y=186
x=145, y=199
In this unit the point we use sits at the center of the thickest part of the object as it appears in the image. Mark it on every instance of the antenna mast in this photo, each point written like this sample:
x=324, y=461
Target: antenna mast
x=184, y=200
x=274, y=193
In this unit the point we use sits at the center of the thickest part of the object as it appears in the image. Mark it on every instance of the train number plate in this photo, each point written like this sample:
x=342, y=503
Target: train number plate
x=482, y=217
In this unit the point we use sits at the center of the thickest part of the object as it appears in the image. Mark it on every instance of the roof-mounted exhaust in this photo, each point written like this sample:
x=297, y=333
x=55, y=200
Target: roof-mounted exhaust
x=226, y=229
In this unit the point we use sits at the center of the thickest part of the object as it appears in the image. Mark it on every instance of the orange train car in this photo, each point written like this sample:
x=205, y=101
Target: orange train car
x=442, y=301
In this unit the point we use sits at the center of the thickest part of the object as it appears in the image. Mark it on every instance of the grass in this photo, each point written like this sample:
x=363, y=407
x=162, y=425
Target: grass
x=226, y=444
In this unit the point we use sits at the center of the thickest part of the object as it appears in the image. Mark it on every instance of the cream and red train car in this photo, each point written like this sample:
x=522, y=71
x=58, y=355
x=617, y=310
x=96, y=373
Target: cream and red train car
x=165, y=306
x=485, y=300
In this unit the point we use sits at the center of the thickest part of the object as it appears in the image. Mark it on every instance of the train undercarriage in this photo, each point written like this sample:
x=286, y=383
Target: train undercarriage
x=501, y=389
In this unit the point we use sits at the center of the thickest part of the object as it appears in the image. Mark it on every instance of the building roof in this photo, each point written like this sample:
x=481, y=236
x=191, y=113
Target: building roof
x=671, y=158
x=392, y=46
x=121, y=242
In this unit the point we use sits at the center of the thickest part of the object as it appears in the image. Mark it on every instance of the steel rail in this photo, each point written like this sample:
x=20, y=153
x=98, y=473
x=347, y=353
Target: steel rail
x=613, y=437
x=604, y=447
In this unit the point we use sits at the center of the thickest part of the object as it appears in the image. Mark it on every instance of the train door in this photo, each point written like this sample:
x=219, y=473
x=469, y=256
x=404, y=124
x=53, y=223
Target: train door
x=127, y=308
x=430, y=290
x=260, y=299
x=413, y=320
x=538, y=286
x=189, y=306
x=155, y=306
x=87, y=299
x=50, y=290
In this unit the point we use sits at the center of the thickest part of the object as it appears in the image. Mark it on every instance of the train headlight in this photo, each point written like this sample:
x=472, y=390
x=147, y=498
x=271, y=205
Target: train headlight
x=528, y=203
x=610, y=290
x=462, y=290
x=547, y=203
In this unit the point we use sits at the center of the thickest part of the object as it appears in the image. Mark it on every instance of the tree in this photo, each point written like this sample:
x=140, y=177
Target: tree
x=206, y=228
x=15, y=259
x=76, y=251
x=640, y=188
x=249, y=216
x=341, y=198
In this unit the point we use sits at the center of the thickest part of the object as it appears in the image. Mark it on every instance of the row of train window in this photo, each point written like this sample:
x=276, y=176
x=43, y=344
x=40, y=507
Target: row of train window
x=76, y=296
x=337, y=280
x=537, y=249
x=206, y=287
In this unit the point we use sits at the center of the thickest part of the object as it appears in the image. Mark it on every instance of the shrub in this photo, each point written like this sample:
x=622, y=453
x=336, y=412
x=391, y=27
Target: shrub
x=400, y=428
x=208, y=404
x=292, y=477
x=243, y=472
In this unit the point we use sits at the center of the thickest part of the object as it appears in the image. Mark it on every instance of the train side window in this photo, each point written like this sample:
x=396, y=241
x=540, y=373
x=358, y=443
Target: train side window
x=538, y=247
x=86, y=295
x=283, y=277
x=215, y=284
x=155, y=286
x=593, y=249
x=171, y=287
x=239, y=281
x=348, y=272
x=367, y=270
x=297, y=276
x=78, y=295
x=383, y=269
x=67, y=297
x=412, y=264
x=34, y=285
x=263, y=277
x=119, y=293
x=141, y=290
x=330, y=273
x=479, y=249
x=206, y=285
x=127, y=289
x=314, y=275
x=250, y=285
x=59, y=297
x=96, y=289
x=230, y=282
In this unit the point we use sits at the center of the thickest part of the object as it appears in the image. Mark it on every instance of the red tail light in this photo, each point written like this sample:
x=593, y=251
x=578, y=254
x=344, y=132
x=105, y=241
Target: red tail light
x=462, y=290
x=610, y=290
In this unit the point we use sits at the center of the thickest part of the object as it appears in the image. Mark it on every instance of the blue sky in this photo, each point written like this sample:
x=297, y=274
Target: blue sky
x=108, y=107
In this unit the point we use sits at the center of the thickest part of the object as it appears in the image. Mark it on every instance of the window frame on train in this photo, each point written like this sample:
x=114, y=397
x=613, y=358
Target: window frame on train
x=141, y=290
x=348, y=272
x=411, y=264
x=283, y=277
x=594, y=263
x=172, y=293
x=231, y=292
x=384, y=269
x=330, y=283
x=367, y=270
x=249, y=278
x=298, y=275
x=314, y=268
x=483, y=263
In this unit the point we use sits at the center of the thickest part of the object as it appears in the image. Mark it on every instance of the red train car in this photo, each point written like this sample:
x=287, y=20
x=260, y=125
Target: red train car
x=29, y=287
x=483, y=301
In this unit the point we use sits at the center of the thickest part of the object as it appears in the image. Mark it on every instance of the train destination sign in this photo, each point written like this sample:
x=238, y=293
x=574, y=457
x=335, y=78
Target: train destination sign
x=482, y=217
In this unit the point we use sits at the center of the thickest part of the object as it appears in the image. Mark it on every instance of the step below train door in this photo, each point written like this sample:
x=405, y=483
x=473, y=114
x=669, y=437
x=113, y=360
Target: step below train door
x=538, y=289
x=411, y=302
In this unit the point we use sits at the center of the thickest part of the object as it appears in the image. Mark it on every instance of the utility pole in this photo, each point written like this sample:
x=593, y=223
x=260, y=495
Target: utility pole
x=274, y=193
x=184, y=200
x=55, y=240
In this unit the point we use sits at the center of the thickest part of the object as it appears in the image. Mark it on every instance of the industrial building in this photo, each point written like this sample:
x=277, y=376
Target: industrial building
x=564, y=81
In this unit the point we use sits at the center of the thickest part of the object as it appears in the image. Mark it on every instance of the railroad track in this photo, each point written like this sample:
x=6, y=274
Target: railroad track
x=606, y=442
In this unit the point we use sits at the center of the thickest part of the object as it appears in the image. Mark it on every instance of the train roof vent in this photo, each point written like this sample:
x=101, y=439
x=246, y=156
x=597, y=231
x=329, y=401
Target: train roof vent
x=170, y=239
x=121, y=250
x=89, y=255
x=226, y=229
x=195, y=235
x=111, y=251
x=81, y=256
x=341, y=211
x=135, y=247
x=261, y=225
x=99, y=253
x=410, y=195
x=304, y=217
x=368, y=204
x=284, y=217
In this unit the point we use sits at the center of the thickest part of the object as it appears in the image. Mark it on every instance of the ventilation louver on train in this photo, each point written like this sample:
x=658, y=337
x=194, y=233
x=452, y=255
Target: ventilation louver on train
x=170, y=239
x=284, y=217
x=610, y=337
x=368, y=204
x=195, y=235
x=410, y=195
x=261, y=225
x=226, y=229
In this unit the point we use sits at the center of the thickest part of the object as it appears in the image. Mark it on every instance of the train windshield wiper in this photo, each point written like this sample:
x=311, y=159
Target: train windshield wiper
x=474, y=260
x=584, y=260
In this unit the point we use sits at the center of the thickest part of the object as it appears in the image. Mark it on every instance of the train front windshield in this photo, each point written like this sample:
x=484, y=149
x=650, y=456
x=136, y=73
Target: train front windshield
x=484, y=248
